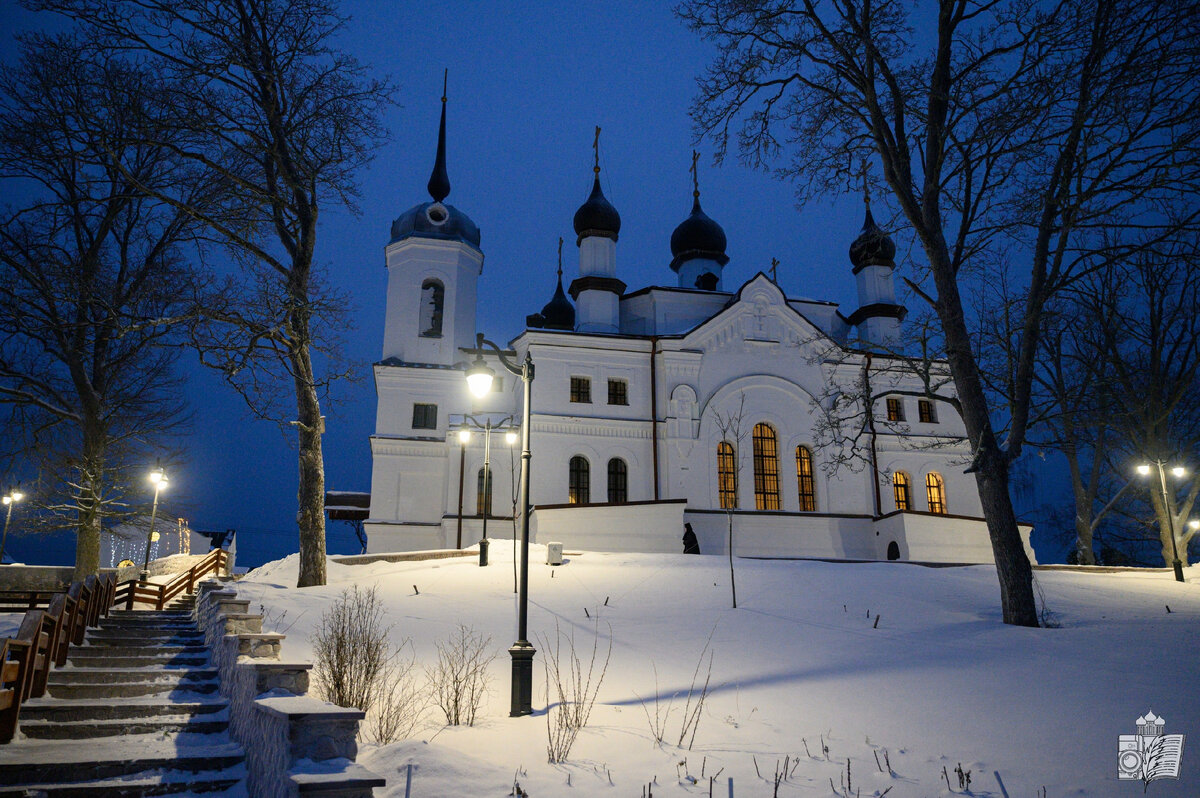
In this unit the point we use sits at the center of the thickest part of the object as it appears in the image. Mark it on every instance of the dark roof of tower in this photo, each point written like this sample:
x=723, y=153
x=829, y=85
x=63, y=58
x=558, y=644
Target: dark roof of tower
x=873, y=247
x=559, y=313
x=438, y=221
x=597, y=216
x=698, y=236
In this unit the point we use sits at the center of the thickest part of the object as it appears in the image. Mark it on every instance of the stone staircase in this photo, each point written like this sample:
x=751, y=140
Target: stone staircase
x=137, y=710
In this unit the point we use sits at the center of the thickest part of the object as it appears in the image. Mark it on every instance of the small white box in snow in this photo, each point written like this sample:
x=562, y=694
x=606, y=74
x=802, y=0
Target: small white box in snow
x=553, y=554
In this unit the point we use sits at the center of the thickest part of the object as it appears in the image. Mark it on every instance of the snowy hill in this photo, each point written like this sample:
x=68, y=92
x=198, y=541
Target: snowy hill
x=892, y=663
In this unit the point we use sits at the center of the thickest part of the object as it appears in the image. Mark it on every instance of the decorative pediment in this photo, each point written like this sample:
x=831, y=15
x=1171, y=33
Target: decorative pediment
x=758, y=320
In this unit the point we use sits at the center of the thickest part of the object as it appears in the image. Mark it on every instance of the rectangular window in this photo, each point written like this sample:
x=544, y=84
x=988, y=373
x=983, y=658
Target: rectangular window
x=497, y=384
x=618, y=479
x=618, y=392
x=424, y=416
x=581, y=390
x=925, y=411
x=727, y=476
x=579, y=481
x=895, y=409
x=766, y=468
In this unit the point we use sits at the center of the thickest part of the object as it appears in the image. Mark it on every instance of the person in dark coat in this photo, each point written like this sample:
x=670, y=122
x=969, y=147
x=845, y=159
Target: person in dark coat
x=690, y=544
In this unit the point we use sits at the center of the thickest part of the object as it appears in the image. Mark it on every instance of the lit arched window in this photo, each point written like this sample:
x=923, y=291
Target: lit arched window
x=617, y=481
x=935, y=491
x=430, y=320
x=727, y=475
x=483, y=493
x=804, y=480
x=900, y=486
x=578, y=486
x=766, y=468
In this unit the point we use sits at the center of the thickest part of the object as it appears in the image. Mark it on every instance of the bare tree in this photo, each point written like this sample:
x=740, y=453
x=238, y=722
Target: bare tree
x=94, y=282
x=1010, y=129
x=730, y=425
x=1148, y=357
x=264, y=102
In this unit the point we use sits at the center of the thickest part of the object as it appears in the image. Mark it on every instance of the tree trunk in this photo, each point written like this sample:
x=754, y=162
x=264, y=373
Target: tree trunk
x=1012, y=564
x=1084, y=554
x=91, y=483
x=732, y=584
x=310, y=517
x=1163, y=514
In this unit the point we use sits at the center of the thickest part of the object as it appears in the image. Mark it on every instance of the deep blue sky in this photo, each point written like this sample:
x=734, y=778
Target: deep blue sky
x=528, y=83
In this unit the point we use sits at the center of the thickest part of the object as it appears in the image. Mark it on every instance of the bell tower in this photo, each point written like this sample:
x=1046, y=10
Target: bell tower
x=433, y=261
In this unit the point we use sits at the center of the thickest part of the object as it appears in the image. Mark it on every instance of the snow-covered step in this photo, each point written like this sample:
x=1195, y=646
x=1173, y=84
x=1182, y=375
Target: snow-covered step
x=168, y=688
x=65, y=711
x=77, y=729
x=77, y=675
x=39, y=762
x=134, y=637
x=88, y=658
x=169, y=782
x=161, y=650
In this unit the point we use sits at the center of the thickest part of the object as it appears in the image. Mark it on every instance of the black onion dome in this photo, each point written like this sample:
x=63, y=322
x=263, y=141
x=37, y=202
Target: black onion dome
x=559, y=313
x=873, y=247
x=435, y=220
x=597, y=216
x=698, y=236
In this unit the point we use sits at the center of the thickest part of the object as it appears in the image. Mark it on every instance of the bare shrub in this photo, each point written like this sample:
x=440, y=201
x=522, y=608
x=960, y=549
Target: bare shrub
x=400, y=703
x=459, y=679
x=692, y=709
x=351, y=649
x=570, y=690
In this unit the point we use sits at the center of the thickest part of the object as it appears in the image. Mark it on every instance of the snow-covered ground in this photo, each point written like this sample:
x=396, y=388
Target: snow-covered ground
x=861, y=659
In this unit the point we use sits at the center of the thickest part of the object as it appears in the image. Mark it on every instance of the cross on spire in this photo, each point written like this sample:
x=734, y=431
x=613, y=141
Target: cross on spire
x=596, y=150
x=774, y=265
x=560, y=253
x=695, y=176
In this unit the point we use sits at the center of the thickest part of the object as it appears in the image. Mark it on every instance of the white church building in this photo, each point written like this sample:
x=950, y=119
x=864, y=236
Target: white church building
x=663, y=405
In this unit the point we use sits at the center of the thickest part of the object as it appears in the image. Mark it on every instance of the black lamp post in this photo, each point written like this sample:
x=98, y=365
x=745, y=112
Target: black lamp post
x=12, y=497
x=1178, y=472
x=487, y=428
x=159, y=478
x=479, y=378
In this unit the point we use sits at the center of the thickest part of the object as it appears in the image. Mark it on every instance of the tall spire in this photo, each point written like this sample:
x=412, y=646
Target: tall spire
x=439, y=181
x=596, y=152
x=560, y=260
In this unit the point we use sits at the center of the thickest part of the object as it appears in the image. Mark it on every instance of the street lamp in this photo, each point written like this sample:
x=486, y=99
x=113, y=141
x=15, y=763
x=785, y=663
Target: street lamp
x=1177, y=472
x=159, y=479
x=12, y=497
x=510, y=438
x=479, y=379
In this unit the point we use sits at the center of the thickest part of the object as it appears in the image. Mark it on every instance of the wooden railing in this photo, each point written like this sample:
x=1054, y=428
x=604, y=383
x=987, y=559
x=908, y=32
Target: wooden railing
x=45, y=636
x=160, y=594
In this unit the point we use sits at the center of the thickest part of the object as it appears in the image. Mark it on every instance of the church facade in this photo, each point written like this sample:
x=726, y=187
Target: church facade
x=694, y=403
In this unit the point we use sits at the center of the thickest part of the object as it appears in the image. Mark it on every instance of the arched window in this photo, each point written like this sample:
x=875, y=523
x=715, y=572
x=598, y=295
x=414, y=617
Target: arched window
x=727, y=476
x=900, y=486
x=618, y=481
x=483, y=493
x=766, y=468
x=578, y=485
x=430, y=321
x=935, y=492
x=804, y=480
